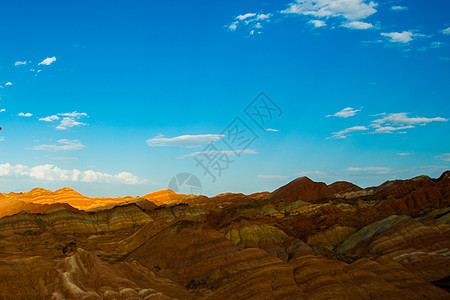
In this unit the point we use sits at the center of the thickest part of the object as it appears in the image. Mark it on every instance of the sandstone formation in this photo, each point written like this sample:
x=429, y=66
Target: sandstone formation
x=306, y=240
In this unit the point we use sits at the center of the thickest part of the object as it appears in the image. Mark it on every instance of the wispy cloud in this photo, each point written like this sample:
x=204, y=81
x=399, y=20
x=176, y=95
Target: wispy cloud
x=8, y=83
x=49, y=118
x=400, y=121
x=2, y=110
x=433, y=45
x=372, y=170
x=48, y=61
x=446, y=31
x=344, y=133
x=348, y=9
x=388, y=123
x=21, y=114
x=19, y=63
x=404, y=154
x=184, y=140
x=443, y=157
x=245, y=16
x=312, y=173
x=318, y=23
x=74, y=114
x=61, y=145
x=49, y=172
x=233, y=25
x=252, y=21
x=358, y=25
x=272, y=130
x=345, y=113
x=399, y=8
x=69, y=120
x=400, y=37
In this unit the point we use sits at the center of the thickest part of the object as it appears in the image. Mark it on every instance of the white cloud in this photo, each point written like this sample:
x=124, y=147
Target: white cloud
x=400, y=121
x=233, y=26
x=444, y=58
x=74, y=114
x=399, y=8
x=62, y=145
x=311, y=173
x=51, y=172
x=2, y=110
x=272, y=130
x=391, y=129
x=184, y=140
x=433, y=45
x=357, y=25
x=343, y=133
x=48, y=61
x=212, y=153
x=446, y=31
x=251, y=20
x=69, y=119
x=443, y=157
x=18, y=63
x=67, y=122
x=404, y=154
x=399, y=37
x=49, y=118
x=263, y=16
x=246, y=16
x=21, y=114
x=345, y=113
x=8, y=83
x=349, y=9
x=372, y=170
x=272, y=177
x=318, y=23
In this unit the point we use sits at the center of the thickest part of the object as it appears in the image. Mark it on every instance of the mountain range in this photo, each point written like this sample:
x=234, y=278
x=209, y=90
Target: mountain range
x=305, y=240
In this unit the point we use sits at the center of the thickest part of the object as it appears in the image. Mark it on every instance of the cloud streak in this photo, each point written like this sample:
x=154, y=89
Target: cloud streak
x=400, y=121
x=343, y=134
x=371, y=170
x=345, y=113
x=61, y=145
x=48, y=61
x=443, y=157
x=187, y=141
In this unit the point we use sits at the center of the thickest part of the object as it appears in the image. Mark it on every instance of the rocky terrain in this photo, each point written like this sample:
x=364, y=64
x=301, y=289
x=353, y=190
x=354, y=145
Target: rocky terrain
x=305, y=240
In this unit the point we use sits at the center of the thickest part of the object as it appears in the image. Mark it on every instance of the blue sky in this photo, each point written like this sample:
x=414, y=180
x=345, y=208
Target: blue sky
x=116, y=98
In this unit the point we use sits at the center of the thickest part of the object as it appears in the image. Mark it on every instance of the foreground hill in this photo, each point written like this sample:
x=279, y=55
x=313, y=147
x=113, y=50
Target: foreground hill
x=306, y=240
